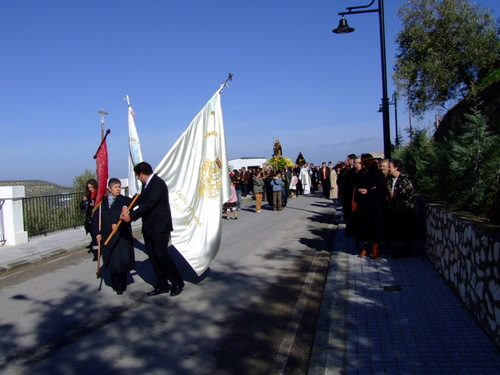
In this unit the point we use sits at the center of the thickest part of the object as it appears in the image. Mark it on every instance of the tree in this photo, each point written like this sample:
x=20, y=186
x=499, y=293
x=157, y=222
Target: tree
x=444, y=48
x=80, y=181
x=474, y=162
x=419, y=161
x=463, y=168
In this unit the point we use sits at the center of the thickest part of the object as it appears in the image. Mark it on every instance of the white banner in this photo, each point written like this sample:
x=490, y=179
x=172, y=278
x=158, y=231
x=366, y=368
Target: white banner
x=196, y=172
x=134, y=153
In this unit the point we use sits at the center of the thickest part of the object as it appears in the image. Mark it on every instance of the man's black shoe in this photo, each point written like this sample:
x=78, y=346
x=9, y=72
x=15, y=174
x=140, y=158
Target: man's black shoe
x=157, y=291
x=176, y=290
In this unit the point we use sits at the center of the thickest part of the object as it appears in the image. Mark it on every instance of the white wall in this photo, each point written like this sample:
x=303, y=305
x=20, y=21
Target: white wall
x=12, y=215
x=246, y=162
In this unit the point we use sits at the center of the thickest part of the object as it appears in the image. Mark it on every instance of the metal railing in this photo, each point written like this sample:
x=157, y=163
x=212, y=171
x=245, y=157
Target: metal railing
x=52, y=213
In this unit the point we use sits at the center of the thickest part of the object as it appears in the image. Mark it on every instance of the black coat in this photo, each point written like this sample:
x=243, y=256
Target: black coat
x=346, y=181
x=369, y=216
x=118, y=255
x=154, y=208
x=346, y=189
x=84, y=205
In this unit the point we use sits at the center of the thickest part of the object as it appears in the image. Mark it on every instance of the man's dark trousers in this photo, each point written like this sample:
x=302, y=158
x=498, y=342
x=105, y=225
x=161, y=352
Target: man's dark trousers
x=163, y=265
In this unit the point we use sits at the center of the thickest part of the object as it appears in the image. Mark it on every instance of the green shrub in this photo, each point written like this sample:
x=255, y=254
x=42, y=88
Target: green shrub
x=474, y=163
x=463, y=168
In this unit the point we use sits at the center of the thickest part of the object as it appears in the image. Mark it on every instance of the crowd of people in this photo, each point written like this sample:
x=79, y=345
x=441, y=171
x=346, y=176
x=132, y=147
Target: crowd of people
x=278, y=186
x=376, y=198
x=378, y=206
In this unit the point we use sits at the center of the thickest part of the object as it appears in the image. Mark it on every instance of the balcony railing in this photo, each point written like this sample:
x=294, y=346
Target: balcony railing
x=52, y=213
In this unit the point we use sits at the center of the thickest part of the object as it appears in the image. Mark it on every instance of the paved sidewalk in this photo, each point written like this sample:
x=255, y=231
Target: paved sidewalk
x=389, y=316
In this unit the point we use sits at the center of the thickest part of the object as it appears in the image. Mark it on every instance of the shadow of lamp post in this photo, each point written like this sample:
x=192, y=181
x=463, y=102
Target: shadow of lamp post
x=344, y=28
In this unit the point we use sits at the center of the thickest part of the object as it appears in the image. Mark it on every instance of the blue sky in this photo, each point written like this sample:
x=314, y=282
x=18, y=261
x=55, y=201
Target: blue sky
x=294, y=79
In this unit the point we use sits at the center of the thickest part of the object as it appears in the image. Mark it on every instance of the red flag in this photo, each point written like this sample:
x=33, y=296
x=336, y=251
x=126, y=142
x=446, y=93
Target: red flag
x=101, y=171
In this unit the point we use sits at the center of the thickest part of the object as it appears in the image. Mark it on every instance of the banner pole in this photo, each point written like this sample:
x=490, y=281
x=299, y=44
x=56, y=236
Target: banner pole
x=102, y=141
x=229, y=78
x=103, y=113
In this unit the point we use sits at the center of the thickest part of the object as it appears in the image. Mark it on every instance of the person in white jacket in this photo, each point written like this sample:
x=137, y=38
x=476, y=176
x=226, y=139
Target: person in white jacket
x=305, y=179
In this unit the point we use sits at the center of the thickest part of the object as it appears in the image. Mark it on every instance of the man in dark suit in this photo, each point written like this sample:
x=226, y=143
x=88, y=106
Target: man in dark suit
x=324, y=177
x=314, y=178
x=346, y=188
x=154, y=209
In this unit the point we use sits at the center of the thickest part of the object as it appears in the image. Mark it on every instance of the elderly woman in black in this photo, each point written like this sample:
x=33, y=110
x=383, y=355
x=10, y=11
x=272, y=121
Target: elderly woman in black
x=118, y=255
x=370, y=191
x=402, y=226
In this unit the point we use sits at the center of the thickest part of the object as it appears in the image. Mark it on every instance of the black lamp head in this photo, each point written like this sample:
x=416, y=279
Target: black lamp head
x=343, y=27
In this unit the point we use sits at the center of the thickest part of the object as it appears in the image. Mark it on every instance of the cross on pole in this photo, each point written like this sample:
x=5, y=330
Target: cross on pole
x=103, y=113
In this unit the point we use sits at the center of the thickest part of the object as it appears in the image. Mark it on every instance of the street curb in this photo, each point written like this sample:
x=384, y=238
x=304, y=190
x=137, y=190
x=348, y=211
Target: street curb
x=328, y=352
x=38, y=257
x=53, y=252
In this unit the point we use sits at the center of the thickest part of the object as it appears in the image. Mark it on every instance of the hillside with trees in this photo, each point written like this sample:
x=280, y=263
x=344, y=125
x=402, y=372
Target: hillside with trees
x=39, y=188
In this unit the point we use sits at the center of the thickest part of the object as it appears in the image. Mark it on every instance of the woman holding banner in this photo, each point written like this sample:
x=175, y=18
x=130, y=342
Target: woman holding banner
x=118, y=255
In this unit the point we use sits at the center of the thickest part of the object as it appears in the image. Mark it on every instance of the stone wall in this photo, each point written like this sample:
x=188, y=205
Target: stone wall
x=467, y=254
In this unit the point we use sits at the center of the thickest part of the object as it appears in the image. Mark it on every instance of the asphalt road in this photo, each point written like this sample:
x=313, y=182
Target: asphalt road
x=253, y=312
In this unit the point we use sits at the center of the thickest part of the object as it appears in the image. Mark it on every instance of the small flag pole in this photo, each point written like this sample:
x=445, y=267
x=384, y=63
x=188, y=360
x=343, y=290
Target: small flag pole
x=229, y=78
x=103, y=138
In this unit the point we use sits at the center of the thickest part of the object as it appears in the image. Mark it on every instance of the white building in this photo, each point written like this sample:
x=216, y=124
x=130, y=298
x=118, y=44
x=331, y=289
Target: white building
x=247, y=162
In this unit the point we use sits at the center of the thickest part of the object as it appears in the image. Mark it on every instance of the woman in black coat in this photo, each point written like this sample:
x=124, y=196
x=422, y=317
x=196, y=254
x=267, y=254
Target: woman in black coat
x=403, y=226
x=118, y=255
x=370, y=194
x=87, y=204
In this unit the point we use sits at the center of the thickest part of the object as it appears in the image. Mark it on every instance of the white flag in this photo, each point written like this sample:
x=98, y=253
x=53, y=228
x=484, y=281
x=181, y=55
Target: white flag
x=134, y=153
x=195, y=170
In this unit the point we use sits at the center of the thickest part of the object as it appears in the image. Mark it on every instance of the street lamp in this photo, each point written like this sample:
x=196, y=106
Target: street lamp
x=394, y=102
x=344, y=28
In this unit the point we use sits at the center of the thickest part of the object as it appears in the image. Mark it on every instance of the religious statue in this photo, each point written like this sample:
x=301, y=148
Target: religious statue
x=277, y=150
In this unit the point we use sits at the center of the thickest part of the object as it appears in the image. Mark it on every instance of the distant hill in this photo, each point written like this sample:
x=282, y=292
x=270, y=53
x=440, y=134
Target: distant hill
x=39, y=188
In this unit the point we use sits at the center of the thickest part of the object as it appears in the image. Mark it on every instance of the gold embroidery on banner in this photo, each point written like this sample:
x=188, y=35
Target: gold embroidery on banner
x=210, y=178
x=211, y=132
x=191, y=215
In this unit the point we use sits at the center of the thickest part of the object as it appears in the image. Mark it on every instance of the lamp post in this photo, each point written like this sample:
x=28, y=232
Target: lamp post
x=394, y=102
x=343, y=29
